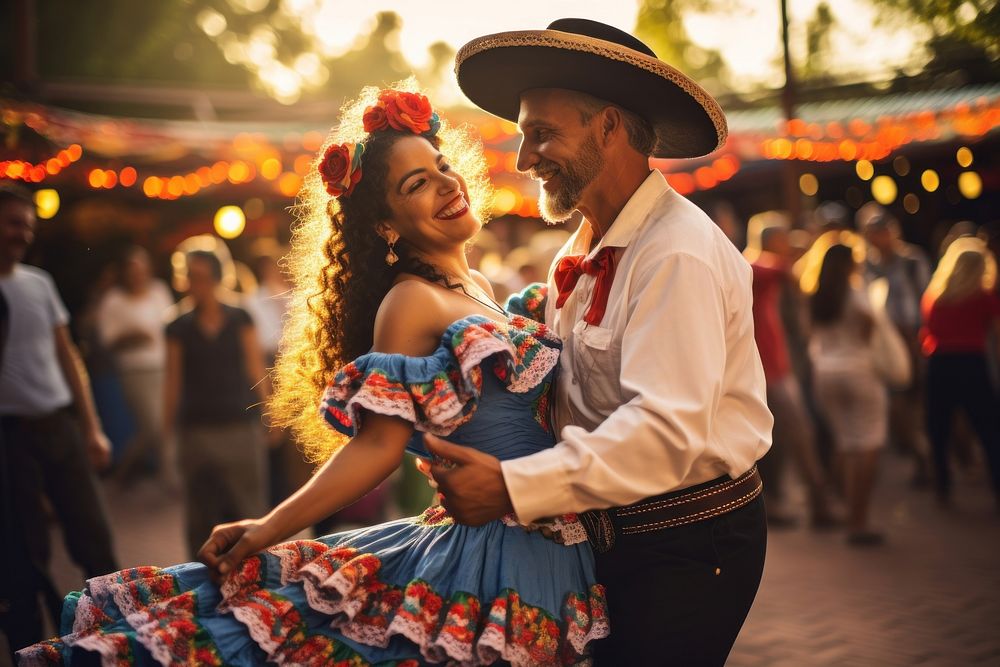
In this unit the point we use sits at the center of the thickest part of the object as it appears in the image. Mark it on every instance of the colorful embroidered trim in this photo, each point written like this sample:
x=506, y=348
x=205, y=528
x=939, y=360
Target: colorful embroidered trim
x=156, y=614
x=447, y=395
x=343, y=583
x=529, y=302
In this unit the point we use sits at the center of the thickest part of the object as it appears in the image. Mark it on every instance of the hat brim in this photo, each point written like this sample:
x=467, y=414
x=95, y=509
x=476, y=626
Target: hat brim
x=494, y=70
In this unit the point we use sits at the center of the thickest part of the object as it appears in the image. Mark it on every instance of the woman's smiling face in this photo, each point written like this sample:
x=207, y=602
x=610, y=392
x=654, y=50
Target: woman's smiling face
x=429, y=201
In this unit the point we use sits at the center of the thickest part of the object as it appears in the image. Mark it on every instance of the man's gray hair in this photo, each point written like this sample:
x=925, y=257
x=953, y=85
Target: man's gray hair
x=641, y=136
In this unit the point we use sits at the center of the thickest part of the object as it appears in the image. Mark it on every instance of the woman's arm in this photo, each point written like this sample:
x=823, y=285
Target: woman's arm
x=354, y=471
x=408, y=322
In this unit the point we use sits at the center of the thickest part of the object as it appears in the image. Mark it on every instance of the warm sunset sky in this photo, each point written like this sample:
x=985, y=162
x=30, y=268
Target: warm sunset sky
x=748, y=38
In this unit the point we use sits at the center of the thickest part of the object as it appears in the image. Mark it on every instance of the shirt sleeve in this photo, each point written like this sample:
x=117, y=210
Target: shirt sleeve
x=107, y=319
x=671, y=389
x=164, y=297
x=57, y=311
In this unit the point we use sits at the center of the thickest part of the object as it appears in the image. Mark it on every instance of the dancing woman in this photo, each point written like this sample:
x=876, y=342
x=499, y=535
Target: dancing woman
x=402, y=337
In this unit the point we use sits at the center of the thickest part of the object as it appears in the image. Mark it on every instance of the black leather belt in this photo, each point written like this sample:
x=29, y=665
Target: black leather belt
x=669, y=510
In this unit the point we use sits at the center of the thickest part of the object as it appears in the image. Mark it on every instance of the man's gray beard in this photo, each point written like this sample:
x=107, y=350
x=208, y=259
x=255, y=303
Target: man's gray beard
x=577, y=174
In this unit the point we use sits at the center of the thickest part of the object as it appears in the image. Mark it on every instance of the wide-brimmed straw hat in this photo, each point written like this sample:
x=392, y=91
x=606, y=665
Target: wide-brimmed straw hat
x=597, y=59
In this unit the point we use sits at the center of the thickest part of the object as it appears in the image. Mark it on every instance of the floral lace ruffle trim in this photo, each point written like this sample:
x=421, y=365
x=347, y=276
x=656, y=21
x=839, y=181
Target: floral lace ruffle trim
x=153, y=613
x=565, y=529
x=447, y=393
x=343, y=583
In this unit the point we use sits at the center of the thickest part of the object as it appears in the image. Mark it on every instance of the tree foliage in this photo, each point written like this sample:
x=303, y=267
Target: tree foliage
x=963, y=47
x=660, y=25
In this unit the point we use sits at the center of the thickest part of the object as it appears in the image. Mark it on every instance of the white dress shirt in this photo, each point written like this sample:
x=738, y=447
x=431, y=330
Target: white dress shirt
x=668, y=391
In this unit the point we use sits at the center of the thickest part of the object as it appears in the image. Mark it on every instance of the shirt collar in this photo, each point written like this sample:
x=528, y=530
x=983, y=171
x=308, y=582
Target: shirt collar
x=634, y=213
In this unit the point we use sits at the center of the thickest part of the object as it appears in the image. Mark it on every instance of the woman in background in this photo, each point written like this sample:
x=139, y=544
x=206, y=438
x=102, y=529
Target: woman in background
x=130, y=322
x=848, y=390
x=214, y=366
x=959, y=310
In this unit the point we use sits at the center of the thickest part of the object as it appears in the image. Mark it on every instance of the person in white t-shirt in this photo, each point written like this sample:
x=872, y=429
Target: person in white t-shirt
x=50, y=433
x=130, y=323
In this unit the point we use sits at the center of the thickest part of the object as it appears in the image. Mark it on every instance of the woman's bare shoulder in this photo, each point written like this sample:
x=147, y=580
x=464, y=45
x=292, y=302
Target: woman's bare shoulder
x=409, y=319
x=483, y=282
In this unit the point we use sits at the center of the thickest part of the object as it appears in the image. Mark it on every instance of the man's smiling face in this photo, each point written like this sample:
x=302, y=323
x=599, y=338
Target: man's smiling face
x=559, y=148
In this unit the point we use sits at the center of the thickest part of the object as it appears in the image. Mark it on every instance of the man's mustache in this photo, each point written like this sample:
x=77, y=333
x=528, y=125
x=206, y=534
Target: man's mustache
x=544, y=170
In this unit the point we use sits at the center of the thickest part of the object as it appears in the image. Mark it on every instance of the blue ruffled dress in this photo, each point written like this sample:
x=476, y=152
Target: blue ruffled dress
x=417, y=591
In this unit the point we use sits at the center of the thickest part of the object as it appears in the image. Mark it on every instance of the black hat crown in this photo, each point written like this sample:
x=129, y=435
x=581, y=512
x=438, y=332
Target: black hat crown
x=597, y=30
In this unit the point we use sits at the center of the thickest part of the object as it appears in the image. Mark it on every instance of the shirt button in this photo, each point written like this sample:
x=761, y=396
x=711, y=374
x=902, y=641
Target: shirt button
x=574, y=381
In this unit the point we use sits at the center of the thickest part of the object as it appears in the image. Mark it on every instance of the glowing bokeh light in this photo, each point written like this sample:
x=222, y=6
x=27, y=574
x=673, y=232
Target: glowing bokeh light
x=46, y=203
x=809, y=185
x=289, y=183
x=211, y=22
x=230, y=222
x=884, y=190
x=865, y=170
x=127, y=177
x=970, y=184
x=964, y=157
x=930, y=180
x=504, y=201
x=270, y=168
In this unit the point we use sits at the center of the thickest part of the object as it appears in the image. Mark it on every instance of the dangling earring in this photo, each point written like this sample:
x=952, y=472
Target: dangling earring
x=391, y=258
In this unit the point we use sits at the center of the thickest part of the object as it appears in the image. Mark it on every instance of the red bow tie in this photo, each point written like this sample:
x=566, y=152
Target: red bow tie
x=568, y=272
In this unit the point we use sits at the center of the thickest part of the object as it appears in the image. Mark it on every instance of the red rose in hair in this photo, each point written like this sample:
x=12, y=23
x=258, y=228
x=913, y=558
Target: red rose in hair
x=407, y=111
x=341, y=168
x=375, y=118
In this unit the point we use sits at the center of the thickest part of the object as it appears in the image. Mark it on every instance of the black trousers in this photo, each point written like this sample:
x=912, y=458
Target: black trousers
x=679, y=596
x=961, y=381
x=46, y=457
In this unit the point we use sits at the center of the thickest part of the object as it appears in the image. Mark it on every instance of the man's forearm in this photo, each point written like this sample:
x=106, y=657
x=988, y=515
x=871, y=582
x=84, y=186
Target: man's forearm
x=78, y=380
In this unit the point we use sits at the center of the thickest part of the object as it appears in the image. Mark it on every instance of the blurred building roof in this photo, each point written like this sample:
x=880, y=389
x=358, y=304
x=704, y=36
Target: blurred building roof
x=870, y=109
x=199, y=154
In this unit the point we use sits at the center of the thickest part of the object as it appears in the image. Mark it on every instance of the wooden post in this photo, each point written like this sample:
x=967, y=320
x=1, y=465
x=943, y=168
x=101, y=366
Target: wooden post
x=789, y=168
x=25, y=45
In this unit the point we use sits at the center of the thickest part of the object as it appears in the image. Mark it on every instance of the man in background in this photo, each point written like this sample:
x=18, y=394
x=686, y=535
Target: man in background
x=52, y=437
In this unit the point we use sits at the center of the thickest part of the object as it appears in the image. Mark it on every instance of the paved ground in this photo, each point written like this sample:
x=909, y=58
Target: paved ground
x=931, y=596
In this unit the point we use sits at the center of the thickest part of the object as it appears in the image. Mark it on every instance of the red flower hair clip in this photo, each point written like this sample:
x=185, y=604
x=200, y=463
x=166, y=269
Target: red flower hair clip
x=412, y=112
x=341, y=168
x=403, y=112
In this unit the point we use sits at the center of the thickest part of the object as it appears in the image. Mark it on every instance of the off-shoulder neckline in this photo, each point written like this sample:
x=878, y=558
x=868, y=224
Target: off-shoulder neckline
x=463, y=323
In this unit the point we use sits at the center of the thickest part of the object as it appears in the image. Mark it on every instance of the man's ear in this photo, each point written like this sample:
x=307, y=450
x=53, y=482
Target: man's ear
x=612, y=122
x=387, y=233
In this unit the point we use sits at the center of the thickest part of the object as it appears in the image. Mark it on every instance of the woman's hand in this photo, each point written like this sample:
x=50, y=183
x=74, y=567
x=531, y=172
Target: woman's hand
x=230, y=543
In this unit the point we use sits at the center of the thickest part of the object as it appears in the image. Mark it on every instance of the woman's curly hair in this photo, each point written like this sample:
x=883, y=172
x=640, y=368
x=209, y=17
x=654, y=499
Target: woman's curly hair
x=337, y=265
